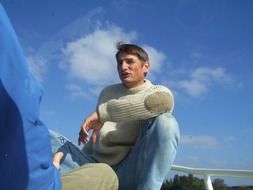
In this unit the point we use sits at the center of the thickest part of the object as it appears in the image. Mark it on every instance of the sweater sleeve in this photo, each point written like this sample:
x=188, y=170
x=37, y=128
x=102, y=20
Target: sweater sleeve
x=149, y=103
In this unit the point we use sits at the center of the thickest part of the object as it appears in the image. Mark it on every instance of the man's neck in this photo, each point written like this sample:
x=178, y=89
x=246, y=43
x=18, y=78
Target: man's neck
x=129, y=86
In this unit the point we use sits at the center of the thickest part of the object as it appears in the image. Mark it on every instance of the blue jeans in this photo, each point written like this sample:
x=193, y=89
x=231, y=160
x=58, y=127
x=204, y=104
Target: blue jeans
x=149, y=161
x=73, y=156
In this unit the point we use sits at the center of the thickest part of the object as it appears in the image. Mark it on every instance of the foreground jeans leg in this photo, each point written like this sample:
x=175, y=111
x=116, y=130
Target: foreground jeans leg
x=150, y=160
x=73, y=156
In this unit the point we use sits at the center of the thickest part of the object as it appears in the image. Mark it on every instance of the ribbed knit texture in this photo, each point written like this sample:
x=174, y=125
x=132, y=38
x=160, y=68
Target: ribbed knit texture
x=124, y=111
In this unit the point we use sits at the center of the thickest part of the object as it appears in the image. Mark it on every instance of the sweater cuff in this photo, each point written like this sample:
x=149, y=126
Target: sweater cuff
x=103, y=113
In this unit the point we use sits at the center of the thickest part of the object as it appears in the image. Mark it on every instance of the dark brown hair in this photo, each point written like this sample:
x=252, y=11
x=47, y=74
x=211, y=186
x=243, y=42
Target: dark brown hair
x=131, y=49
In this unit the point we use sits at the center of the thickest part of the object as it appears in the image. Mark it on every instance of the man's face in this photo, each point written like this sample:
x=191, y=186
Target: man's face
x=131, y=70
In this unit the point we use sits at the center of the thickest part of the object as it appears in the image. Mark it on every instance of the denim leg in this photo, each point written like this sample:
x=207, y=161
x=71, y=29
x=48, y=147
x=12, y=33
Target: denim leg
x=150, y=160
x=73, y=156
x=76, y=154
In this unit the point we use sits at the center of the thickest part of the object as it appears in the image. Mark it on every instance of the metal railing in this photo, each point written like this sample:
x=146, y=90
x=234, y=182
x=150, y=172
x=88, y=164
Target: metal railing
x=207, y=173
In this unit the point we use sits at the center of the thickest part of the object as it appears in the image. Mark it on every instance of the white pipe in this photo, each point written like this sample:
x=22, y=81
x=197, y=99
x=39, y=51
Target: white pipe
x=214, y=172
x=208, y=182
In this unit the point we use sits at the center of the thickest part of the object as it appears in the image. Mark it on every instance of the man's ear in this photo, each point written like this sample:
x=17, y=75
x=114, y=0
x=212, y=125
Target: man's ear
x=145, y=67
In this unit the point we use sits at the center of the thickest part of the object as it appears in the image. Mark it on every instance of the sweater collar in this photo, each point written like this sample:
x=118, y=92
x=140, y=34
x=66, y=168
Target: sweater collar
x=134, y=90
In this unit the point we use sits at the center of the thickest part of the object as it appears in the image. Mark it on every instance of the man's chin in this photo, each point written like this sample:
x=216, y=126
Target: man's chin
x=126, y=83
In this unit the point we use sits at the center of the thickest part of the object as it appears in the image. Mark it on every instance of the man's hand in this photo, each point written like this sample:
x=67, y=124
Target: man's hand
x=91, y=122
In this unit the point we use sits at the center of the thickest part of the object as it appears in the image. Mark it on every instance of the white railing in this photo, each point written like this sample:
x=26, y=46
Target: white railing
x=207, y=173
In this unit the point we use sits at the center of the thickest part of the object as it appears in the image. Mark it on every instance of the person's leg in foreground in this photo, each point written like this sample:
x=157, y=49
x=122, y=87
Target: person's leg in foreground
x=91, y=175
x=67, y=156
x=150, y=160
x=94, y=176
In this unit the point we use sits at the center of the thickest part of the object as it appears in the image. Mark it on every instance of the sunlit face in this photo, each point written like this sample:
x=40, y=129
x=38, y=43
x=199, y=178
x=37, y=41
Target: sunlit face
x=131, y=70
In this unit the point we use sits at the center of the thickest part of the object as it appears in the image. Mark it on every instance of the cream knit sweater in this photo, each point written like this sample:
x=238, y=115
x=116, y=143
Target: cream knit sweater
x=124, y=112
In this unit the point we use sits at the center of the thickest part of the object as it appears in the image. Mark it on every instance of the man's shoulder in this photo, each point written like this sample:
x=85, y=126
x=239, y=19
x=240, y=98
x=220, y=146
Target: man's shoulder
x=111, y=89
x=159, y=88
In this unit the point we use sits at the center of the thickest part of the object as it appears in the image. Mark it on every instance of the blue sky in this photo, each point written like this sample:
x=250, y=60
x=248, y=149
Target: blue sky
x=200, y=49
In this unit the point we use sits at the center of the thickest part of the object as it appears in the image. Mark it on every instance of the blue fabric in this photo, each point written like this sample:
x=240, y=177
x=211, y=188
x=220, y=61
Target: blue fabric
x=25, y=150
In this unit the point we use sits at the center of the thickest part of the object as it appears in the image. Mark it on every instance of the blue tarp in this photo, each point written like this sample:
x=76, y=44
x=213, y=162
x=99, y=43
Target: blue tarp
x=25, y=150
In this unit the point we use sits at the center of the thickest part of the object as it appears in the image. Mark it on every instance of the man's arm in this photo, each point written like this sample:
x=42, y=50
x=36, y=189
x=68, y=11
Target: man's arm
x=151, y=103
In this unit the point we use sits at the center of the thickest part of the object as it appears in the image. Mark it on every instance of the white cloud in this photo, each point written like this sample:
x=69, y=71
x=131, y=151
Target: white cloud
x=50, y=113
x=37, y=66
x=199, y=141
x=193, y=87
x=76, y=90
x=202, y=78
x=218, y=163
x=156, y=58
x=91, y=58
x=88, y=57
x=229, y=139
x=49, y=52
x=206, y=74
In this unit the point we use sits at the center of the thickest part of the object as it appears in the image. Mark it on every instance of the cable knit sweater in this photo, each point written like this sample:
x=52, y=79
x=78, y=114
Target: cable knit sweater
x=124, y=111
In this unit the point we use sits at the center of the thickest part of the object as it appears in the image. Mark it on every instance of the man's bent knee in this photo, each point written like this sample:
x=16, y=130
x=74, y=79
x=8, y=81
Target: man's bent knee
x=167, y=126
x=95, y=176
